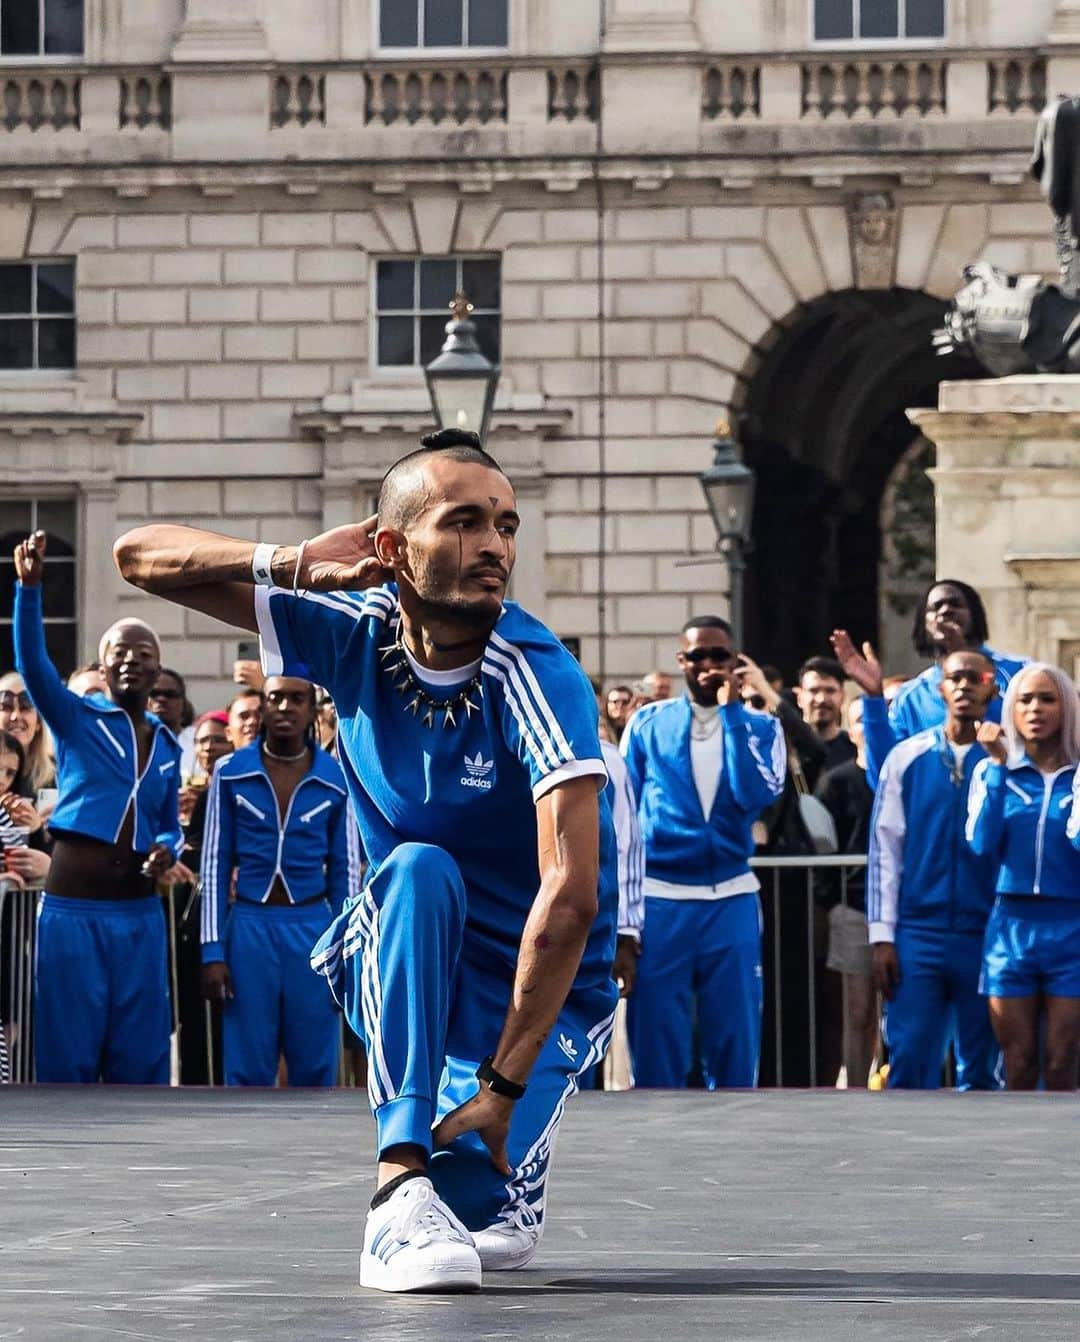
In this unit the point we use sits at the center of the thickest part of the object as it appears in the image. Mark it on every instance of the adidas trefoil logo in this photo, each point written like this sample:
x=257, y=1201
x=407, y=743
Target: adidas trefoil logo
x=477, y=771
x=567, y=1046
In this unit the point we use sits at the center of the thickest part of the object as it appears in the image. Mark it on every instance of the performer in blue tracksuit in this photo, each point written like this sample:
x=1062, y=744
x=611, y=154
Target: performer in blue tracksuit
x=949, y=618
x=278, y=815
x=101, y=989
x=928, y=896
x=477, y=961
x=703, y=768
x=1024, y=814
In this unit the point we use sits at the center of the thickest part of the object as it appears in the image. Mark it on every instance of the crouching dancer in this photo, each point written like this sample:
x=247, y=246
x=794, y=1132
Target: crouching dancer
x=477, y=961
x=101, y=989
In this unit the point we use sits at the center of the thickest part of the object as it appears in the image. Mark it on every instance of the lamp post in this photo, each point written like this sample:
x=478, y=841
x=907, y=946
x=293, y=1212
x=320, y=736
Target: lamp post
x=728, y=486
x=461, y=380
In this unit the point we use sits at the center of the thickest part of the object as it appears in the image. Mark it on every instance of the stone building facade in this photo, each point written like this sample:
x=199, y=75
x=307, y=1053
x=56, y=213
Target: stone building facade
x=692, y=203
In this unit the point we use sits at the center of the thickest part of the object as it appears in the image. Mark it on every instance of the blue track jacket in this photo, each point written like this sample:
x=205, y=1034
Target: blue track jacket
x=1028, y=825
x=315, y=849
x=682, y=845
x=919, y=706
x=97, y=758
x=936, y=881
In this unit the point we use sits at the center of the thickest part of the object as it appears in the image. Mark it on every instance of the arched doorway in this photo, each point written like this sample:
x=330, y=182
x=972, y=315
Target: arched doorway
x=822, y=423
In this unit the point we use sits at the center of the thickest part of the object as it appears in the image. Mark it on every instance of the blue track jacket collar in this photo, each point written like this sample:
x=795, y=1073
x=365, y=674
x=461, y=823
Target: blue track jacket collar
x=315, y=848
x=1027, y=823
x=920, y=868
x=683, y=846
x=97, y=760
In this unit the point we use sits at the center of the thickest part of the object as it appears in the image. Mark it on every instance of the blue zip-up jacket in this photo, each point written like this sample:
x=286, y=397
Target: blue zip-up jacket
x=682, y=845
x=97, y=757
x=1027, y=824
x=935, y=881
x=918, y=706
x=315, y=849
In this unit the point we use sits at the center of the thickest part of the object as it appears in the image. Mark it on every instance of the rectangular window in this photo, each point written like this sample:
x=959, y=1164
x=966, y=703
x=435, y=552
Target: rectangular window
x=37, y=314
x=443, y=23
x=412, y=306
x=18, y=518
x=41, y=27
x=878, y=20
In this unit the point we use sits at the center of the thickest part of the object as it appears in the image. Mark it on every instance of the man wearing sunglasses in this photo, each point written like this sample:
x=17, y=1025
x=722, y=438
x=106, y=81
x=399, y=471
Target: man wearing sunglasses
x=703, y=768
x=928, y=900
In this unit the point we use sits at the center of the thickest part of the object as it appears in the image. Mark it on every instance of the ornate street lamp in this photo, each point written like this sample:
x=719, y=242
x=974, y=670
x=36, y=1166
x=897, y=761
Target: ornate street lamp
x=461, y=380
x=728, y=485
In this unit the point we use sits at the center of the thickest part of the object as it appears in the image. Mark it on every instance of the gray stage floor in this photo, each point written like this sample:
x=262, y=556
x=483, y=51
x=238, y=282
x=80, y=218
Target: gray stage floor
x=127, y=1214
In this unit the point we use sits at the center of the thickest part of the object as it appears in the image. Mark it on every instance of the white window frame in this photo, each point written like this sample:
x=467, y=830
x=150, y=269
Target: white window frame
x=414, y=371
x=43, y=57
x=35, y=496
x=433, y=53
x=876, y=43
x=35, y=373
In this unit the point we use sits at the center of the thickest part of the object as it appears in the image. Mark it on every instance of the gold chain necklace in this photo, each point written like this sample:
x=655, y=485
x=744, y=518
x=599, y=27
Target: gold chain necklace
x=422, y=704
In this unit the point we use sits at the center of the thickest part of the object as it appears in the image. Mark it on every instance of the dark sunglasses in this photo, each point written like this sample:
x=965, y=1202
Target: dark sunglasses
x=695, y=656
x=9, y=702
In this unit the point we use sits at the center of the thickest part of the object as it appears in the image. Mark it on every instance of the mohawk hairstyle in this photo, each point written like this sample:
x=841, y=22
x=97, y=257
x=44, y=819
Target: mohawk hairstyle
x=401, y=494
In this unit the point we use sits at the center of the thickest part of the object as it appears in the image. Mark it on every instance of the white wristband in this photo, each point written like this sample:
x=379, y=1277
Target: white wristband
x=261, y=563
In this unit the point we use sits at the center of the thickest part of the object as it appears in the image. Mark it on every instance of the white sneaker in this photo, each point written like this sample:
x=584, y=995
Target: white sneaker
x=414, y=1242
x=510, y=1243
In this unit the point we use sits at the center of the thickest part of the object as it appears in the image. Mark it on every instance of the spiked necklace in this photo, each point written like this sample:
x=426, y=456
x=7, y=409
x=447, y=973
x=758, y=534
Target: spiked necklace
x=420, y=703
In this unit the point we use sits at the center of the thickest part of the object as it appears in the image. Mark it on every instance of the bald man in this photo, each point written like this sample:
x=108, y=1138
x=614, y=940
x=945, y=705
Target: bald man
x=101, y=1005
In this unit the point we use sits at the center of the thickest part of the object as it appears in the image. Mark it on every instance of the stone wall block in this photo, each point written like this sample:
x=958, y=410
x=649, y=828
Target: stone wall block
x=793, y=249
x=726, y=221
x=224, y=230
x=359, y=228
x=829, y=229
x=961, y=239
x=302, y=381
x=260, y=342
x=265, y=265
x=101, y=270
x=151, y=230
x=185, y=498
x=223, y=305
x=223, y=382
x=332, y=265
x=184, y=344
x=759, y=274
x=300, y=228
x=152, y=307
x=648, y=224
x=434, y=218
x=189, y=266
x=185, y=423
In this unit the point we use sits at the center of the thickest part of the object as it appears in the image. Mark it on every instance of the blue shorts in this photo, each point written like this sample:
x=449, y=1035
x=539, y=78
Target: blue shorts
x=1032, y=946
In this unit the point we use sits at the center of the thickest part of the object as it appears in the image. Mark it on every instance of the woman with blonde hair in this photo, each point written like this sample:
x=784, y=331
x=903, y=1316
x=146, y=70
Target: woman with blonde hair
x=19, y=717
x=1024, y=811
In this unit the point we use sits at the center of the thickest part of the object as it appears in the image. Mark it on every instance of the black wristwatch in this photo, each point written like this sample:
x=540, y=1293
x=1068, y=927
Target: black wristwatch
x=495, y=1081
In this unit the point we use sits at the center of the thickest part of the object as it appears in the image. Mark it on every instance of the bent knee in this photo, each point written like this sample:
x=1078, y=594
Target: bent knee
x=429, y=870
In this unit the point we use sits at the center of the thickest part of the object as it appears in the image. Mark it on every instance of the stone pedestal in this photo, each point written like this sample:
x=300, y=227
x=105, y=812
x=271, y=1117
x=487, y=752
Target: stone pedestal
x=1007, y=483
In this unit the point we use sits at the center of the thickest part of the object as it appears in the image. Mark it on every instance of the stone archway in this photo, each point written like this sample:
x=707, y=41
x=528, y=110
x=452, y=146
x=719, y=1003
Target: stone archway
x=823, y=423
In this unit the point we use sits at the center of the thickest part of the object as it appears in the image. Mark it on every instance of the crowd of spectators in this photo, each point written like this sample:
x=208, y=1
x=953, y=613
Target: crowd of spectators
x=952, y=953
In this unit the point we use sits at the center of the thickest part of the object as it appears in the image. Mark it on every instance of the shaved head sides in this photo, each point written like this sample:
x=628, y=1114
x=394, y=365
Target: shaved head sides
x=403, y=492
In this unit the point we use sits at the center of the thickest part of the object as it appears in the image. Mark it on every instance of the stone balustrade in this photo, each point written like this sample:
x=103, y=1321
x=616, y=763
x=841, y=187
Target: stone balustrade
x=867, y=88
x=444, y=95
x=1016, y=84
x=573, y=93
x=731, y=91
x=298, y=98
x=41, y=100
x=145, y=101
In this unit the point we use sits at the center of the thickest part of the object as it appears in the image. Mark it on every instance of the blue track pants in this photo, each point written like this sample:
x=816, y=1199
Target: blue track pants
x=101, y=991
x=279, y=1005
x=430, y=1011
x=938, y=997
x=703, y=954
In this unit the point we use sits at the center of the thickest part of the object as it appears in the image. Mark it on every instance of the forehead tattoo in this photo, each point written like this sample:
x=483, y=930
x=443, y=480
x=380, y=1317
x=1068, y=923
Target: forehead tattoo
x=494, y=502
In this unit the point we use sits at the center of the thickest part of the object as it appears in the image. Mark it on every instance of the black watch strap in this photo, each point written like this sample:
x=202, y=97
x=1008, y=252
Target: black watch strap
x=495, y=1081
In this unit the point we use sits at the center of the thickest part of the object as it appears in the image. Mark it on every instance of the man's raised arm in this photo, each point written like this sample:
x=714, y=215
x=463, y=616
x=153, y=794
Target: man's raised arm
x=215, y=574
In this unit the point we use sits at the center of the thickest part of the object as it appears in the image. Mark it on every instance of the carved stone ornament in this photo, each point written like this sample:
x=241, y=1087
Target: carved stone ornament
x=872, y=230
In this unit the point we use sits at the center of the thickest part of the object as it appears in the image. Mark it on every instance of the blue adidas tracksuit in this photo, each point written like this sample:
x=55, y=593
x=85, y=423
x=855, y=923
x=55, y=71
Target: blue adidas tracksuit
x=702, y=939
x=1029, y=824
x=931, y=897
x=918, y=706
x=278, y=1005
x=424, y=960
x=101, y=978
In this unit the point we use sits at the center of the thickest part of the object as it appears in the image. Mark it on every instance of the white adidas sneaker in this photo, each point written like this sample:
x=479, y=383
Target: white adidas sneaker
x=508, y=1244
x=414, y=1242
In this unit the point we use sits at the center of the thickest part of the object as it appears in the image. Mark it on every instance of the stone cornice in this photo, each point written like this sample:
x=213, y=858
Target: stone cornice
x=1046, y=570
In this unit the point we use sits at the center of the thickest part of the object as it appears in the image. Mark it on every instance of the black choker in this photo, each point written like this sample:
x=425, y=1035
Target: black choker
x=422, y=704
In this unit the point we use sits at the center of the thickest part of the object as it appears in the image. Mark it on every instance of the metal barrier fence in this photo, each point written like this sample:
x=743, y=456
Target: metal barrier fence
x=794, y=892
